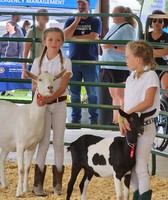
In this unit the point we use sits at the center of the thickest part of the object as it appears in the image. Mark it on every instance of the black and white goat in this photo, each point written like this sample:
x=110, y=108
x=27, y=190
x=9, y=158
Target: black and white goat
x=106, y=157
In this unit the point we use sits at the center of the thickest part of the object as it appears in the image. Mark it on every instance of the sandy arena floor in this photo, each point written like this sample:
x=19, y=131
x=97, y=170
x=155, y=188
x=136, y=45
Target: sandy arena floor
x=98, y=189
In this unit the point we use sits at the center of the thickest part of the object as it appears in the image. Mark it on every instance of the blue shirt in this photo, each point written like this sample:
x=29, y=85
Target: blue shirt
x=126, y=32
x=84, y=51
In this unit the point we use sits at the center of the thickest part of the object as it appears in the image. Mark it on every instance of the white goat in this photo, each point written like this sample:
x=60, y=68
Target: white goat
x=22, y=127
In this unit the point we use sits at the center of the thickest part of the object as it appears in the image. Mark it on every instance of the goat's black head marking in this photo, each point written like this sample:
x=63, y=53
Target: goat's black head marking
x=136, y=120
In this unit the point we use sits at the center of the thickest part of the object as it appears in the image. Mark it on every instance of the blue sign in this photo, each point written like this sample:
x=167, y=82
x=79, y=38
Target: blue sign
x=45, y=3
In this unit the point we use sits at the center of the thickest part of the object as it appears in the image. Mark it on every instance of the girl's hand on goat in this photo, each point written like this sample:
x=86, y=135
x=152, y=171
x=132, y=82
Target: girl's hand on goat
x=42, y=101
x=124, y=126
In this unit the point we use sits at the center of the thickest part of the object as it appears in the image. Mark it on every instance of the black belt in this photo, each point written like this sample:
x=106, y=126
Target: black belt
x=149, y=121
x=59, y=99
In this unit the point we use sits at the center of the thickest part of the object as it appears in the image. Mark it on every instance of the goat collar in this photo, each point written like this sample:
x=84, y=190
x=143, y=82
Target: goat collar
x=132, y=146
x=39, y=96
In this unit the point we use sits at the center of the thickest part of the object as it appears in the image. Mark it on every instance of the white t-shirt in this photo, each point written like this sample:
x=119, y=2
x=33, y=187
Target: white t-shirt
x=136, y=88
x=54, y=67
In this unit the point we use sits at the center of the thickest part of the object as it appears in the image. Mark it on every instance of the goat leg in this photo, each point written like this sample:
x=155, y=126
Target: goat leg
x=20, y=160
x=29, y=157
x=84, y=183
x=2, y=168
x=74, y=173
x=117, y=184
x=127, y=179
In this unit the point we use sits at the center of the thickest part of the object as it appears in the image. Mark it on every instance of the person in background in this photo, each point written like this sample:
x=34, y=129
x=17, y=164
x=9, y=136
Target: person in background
x=81, y=27
x=159, y=36
x=122, y=29
x=25, y=27
x=142, y=94
x=52, y=60
x=28, y=46
x=11, y=49
x=17, y=18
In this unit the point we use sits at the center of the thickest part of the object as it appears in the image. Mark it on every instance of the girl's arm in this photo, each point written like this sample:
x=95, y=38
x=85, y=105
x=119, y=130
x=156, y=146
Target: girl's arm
x=26, y=50
x=147, y=103
x=121, y=123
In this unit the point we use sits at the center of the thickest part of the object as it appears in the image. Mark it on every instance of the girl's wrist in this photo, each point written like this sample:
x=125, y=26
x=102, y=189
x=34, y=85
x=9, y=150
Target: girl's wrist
x=120, y=120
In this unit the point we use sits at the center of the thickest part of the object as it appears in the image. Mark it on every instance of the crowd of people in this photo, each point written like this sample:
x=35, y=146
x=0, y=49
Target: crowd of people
x=142, y=82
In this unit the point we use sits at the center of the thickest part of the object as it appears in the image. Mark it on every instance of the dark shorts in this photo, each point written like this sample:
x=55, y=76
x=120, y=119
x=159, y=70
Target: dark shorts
x=114, y=76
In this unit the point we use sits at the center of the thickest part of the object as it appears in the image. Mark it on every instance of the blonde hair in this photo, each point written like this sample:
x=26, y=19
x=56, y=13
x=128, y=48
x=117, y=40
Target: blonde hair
x=45, y=33
x=122, y=9
x=144, y=51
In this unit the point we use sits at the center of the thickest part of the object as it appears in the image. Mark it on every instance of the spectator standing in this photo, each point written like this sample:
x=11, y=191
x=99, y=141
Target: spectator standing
x=142, y=94
x=52, y=60
x=159, y=36
x=25, y=27
x=122, y=29
x=11, y=49
x=28, y=47
x=16, y=18
x=83, y=28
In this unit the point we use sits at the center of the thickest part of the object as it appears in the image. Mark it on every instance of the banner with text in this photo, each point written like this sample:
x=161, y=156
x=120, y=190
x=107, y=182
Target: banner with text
x=45, y=3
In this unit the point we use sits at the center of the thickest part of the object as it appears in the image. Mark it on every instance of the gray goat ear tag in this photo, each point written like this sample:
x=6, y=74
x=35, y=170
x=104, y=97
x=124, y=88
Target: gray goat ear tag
x=139, y=114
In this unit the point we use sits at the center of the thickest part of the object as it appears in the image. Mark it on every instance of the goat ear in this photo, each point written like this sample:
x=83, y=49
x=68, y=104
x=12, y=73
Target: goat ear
x=62, y=73
x=148, y=114
x=123, y=114
x=30, y=75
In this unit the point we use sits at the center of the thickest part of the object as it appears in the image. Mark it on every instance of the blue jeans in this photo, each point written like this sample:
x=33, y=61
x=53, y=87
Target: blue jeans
x=88, y=73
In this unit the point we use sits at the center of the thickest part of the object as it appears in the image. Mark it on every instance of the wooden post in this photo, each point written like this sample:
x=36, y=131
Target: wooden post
x=104, y=8
x=105, y=116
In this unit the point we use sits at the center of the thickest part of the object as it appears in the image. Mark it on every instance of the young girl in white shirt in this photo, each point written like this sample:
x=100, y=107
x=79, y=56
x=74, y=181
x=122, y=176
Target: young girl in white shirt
x=142, y=94
x=52, y=61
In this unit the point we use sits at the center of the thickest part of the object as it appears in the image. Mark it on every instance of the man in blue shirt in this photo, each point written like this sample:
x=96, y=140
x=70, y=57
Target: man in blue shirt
x=83, y=27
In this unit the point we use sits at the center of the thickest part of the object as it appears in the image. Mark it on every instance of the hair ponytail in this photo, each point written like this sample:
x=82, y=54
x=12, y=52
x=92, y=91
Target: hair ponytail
x=41, y=59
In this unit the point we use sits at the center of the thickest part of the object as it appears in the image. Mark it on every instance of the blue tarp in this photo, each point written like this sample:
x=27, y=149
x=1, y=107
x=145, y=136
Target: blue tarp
x=71, y=4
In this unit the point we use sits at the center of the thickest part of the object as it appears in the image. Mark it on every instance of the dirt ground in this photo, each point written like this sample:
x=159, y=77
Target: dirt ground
x=98, y=189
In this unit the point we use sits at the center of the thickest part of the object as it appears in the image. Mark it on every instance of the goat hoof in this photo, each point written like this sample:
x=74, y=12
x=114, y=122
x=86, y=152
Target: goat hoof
x=4, y=186
x=19, y=194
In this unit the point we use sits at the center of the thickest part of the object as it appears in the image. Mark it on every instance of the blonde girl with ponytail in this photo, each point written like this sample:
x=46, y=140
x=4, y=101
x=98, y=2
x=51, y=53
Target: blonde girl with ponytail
x=142, y=94
x=53, y=61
